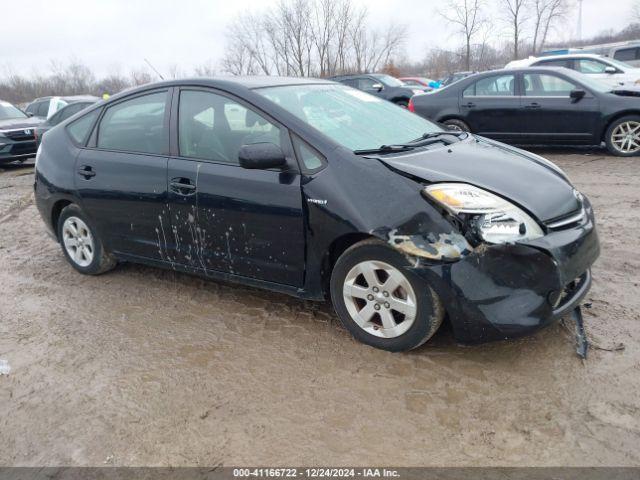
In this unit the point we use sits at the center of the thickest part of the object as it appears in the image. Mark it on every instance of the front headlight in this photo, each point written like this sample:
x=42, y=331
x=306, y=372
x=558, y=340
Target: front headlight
x=495, y=219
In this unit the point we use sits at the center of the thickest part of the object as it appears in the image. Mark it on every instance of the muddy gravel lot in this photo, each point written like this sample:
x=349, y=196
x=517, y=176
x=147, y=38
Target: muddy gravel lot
x=148, y=367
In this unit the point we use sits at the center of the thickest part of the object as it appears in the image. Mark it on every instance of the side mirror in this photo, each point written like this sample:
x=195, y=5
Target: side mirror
x=377, y=87
x=610, y=69
x=261, y=156
x=577, y=95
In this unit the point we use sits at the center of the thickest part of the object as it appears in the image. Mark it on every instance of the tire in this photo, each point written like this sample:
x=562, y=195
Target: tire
x=402, y=103
x=354, y=299
x=455, y=124
x=84, y=250
x=617, y=141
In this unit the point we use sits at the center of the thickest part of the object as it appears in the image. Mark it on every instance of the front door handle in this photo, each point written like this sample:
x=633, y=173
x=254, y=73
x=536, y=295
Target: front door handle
x=469, y=105
x=533, y=105
x=182, y=186
x=86, y=171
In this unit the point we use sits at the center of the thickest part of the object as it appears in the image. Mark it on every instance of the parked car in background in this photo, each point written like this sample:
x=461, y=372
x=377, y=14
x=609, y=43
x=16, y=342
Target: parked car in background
x=17, y=140
x=454, y=77
x=607, y=70
x=542, y=105
x=381, y=85
x=317, y=190
x=61, y=115
x=421, y=82
x=628, y=52
x=45, y=107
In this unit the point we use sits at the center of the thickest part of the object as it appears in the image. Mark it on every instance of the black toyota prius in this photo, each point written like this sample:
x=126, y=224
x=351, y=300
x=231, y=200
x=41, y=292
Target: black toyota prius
x=318, y=190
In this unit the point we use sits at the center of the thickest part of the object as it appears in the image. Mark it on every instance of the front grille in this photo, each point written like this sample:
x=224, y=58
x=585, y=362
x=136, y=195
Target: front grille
x=570, y=220
x=20, y=135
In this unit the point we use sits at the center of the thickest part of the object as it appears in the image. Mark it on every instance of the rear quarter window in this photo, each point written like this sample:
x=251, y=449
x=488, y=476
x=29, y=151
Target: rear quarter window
x=80, y=129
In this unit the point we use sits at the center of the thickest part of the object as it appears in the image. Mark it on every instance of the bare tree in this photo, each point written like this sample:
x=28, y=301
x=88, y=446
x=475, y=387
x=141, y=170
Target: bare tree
x=467, y=17
x=545, y=14
x=515, y=15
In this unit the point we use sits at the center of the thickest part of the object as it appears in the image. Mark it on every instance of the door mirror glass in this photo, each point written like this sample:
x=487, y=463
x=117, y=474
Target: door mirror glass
x=261, y=156
x=610, y=70
x=577, y=94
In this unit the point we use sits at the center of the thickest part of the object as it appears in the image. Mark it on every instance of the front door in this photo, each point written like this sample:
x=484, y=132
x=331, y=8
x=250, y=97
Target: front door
x=248, y=222
x=550, y=115
x=490, y=106
x=122, y=177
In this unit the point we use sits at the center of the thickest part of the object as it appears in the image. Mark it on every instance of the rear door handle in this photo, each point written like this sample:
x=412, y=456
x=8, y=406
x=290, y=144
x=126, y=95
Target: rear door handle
x=86, y=171
x=469, y=105
x=182, y=186
x=533, y=105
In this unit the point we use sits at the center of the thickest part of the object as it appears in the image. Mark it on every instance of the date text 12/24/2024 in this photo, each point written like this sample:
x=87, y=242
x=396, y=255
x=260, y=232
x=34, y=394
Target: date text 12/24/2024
x=315, y=473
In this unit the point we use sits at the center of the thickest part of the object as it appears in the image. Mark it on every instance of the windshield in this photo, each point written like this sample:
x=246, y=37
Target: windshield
x=388, y=80
x=8, y=111
x=350, y=117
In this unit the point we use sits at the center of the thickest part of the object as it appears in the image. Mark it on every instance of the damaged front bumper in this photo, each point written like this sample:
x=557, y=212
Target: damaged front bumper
x=506, y=291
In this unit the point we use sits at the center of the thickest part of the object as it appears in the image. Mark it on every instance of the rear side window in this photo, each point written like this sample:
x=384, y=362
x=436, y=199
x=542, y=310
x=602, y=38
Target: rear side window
x=545, y=85
x=80, y=129
x=214, y=127
x=626, y=54
x=42, y=110
x=496, y=86
x=135, y=125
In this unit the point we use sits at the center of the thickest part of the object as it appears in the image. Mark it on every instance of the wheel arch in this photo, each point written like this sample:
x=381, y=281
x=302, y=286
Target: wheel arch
x=337, y=248
x=615, y=117
x=56, y=210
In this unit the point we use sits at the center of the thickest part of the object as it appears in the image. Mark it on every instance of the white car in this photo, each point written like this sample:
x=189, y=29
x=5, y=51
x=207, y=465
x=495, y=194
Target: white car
x=608, y=70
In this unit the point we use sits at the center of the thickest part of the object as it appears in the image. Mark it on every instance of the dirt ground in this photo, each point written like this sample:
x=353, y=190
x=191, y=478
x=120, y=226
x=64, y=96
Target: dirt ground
x=148, y=367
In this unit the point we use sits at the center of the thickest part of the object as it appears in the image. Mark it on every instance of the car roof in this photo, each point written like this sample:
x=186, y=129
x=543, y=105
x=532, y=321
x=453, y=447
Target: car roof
x=564, y=56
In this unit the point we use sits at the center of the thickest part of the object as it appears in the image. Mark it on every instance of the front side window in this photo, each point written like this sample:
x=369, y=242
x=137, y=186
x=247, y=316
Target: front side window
x=214, y=127
x=348, y=116
x=545, y=85
x=65, y=113
x=555, y=63
x=367, y=83
x=135, y=125
x=496, y=86
x=589, y=66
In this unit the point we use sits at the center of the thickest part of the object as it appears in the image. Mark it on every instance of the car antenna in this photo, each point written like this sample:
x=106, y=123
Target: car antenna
x=154, y=69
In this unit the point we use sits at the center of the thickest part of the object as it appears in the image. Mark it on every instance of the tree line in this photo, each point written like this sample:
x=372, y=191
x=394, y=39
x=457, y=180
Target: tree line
x=327, y=37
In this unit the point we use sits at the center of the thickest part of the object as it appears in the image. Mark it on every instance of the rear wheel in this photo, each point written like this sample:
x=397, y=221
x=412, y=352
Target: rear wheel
x=623, y=136
x=457, y=125
x=382, y=303
x=80, y=243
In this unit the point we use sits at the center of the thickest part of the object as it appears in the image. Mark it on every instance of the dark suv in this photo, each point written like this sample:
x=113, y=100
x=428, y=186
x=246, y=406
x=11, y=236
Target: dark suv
x=381, y=85
x=17, y=139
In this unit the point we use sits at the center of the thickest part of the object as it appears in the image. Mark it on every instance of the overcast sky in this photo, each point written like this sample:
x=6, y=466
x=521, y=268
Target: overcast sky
x=116, y=35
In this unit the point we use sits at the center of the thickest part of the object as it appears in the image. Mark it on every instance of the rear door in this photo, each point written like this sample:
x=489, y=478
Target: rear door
x=491, y=105
x=550, y=115
x=227, y=218
x=122, y=177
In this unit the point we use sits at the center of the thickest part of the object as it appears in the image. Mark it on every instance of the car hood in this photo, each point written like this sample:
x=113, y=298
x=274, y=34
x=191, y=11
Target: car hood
x=528, y=180
x=14, y=123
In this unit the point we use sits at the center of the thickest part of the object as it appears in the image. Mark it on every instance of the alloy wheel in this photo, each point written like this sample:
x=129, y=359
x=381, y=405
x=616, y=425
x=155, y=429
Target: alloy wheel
x=78, y=241
x=380, y=299
x=626, y=137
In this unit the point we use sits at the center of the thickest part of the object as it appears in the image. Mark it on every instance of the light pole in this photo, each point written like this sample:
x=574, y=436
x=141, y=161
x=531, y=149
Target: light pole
x=579, y=19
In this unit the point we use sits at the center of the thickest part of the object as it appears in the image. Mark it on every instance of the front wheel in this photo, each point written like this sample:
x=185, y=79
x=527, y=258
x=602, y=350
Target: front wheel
x=623, y=136
x=80, y=243
x=457, y=125
x=382, y=303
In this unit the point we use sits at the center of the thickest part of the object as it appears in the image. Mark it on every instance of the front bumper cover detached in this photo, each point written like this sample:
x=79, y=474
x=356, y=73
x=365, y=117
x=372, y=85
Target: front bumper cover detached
x=507, y=291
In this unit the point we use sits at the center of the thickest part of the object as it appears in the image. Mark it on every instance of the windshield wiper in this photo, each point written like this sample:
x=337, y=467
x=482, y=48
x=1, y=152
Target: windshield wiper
x=385, y=149
x=429, y=135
